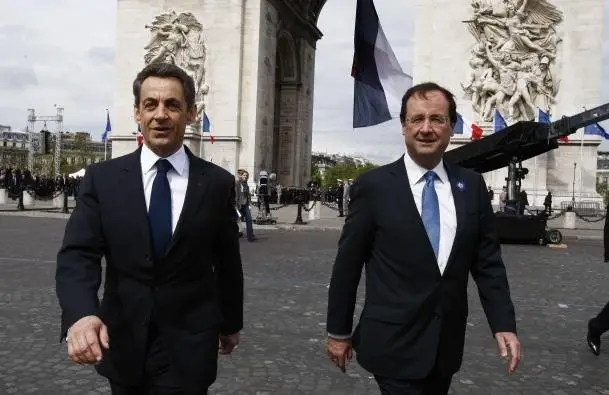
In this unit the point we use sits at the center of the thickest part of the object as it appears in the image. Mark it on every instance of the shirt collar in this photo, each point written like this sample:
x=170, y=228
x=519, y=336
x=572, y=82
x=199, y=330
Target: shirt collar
x=177, y=159
x=416, y=172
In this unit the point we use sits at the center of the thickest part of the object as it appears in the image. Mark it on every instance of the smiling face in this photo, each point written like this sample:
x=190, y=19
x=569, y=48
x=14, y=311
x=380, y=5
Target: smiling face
x=163, y=114
x=427, y=128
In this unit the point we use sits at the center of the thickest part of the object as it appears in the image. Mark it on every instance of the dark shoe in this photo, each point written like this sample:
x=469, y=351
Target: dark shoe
x=252, y=239
x=594, y=340
x=240, y=234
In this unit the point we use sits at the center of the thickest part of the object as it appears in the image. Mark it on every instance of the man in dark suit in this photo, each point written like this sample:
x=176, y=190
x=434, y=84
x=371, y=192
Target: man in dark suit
x=598, y=325
x=420, y=226
x=163, y=220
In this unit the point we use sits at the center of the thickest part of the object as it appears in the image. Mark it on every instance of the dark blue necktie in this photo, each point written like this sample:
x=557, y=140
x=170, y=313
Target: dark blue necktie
x=430, y=212
x=159, y=212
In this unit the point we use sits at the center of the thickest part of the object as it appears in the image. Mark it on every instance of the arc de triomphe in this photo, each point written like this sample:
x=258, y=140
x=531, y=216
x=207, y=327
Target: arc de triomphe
x=253, y=63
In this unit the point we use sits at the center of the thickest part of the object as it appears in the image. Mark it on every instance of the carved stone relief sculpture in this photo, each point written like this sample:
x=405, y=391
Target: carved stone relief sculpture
x=178, y=39
x=513, y=57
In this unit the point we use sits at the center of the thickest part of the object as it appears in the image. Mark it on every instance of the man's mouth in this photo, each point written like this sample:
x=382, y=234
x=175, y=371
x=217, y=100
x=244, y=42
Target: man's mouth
x=161, y=129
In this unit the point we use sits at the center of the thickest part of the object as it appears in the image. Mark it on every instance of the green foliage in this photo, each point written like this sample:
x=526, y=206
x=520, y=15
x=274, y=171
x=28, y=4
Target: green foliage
x=344, y=172
x=603, y=190
x=315, y=174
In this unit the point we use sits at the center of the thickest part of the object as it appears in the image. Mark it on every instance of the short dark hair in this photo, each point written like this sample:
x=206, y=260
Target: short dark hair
x=165, y=70
x=422, y=90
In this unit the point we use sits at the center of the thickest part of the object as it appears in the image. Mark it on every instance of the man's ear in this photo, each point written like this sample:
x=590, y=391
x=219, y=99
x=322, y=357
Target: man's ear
x=191, y=114
x=136, y=114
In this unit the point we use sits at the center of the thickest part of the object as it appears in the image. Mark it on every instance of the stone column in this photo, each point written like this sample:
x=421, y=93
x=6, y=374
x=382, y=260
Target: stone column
x=288, y=118
x=3, y=196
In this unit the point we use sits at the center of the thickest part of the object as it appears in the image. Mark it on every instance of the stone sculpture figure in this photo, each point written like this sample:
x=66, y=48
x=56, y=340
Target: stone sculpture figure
x=517, y=40
x=178, y=39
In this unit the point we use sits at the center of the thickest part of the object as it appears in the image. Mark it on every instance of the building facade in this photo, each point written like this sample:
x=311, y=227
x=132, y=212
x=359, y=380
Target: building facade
x=253, y=63
x=78, y=150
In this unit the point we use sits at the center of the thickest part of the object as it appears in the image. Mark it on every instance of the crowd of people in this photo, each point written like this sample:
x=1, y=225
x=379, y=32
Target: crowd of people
x=40, y=186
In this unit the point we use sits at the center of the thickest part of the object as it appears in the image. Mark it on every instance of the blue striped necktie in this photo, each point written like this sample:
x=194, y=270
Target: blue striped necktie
x=430, y=213
x=159, y=212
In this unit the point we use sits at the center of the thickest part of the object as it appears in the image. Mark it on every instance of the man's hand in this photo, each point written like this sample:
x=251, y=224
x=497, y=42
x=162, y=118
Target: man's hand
x=228, y=343
x=509, y=348
x=86, y=338
x=340, y=352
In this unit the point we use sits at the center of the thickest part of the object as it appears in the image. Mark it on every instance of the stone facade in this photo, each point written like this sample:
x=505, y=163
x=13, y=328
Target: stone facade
x=259, y=68
x=442, y=54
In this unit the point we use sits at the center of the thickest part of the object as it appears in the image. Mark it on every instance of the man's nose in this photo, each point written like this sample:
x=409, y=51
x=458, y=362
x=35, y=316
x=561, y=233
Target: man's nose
x=161, y=112
x=426, y=126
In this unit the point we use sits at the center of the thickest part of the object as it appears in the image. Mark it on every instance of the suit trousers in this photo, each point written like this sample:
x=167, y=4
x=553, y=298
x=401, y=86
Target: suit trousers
x=158, y=377
x=434, y=384
x=600, y=323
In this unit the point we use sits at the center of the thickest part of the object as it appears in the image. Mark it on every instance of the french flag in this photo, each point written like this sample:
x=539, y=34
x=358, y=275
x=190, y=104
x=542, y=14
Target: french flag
x=465, y=126
x=499, y=122
x=140, y=136
x=379, y=82
x=544, y=117
x=207, y=127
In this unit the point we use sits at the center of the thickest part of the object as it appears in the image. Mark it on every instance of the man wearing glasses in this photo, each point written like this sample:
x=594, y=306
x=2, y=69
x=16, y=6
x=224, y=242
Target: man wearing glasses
x=420, y=226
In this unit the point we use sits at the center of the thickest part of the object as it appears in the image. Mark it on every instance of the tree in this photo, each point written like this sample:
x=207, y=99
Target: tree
x=315, y=174
x=603, y=190
x=345, y=172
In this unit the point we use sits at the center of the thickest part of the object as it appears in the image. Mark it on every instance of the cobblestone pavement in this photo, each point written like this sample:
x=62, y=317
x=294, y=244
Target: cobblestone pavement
x=282, y=352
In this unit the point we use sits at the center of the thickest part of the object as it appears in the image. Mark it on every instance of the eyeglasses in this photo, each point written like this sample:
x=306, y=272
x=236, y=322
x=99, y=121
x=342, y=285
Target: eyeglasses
x=435, y=121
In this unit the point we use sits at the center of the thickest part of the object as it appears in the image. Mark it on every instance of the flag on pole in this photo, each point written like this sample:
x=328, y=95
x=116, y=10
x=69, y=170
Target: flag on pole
x=465, y=126
x=207, y=127
x=499, y=122
x=108, y=127
x=139, y=137
x=544, y=117
x=596, y=130
x=379, y=82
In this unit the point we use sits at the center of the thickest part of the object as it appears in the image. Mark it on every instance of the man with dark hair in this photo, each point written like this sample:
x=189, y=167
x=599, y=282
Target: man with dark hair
x=420, y=226
x=163, y=220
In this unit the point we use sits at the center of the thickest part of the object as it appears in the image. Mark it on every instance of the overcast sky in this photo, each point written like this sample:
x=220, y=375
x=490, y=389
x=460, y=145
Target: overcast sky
x=62, y=52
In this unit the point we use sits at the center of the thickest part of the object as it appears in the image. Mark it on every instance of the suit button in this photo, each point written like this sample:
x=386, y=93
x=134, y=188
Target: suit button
x=436, y=316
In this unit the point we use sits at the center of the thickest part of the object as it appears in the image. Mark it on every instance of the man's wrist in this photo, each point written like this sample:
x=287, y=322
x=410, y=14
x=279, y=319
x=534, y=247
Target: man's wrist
x=339, y=337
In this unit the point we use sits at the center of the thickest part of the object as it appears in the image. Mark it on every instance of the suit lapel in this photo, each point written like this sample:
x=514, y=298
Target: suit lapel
x=132, y=186
x=197, y=186
x=459, y=198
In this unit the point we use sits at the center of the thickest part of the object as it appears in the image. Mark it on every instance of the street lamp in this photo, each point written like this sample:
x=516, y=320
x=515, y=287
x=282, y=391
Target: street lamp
x=573, y=189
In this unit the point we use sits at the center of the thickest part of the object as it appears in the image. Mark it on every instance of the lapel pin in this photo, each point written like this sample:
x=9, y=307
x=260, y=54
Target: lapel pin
x=460, y=186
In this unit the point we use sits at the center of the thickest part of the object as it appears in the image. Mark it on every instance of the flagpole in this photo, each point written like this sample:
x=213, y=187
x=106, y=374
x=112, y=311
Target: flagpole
x=201, y=140
x=581, y=159
x=106, y=148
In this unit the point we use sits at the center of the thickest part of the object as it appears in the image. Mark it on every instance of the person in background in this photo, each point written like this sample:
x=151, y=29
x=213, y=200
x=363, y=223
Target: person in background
x=244, y=199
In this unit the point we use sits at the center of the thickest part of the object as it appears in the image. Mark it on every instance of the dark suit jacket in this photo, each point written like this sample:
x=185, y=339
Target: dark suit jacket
x=194, y=293
x=414, y=317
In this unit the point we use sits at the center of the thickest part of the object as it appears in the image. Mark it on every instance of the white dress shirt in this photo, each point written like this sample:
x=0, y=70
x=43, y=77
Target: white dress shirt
x=177, y=176
x=448, y=216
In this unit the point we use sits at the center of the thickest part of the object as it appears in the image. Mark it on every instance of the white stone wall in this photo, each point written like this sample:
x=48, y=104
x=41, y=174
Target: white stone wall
x=305, y=117
x=231, y=70
x=441, y=51
x=267, y=62
x=241, y=41
x=247, y=110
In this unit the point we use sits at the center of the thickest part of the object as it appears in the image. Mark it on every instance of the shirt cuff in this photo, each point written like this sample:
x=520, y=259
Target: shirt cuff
x=339, y=337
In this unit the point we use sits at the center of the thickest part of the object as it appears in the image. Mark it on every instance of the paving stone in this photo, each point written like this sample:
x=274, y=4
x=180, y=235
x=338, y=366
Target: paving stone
x=282, y=351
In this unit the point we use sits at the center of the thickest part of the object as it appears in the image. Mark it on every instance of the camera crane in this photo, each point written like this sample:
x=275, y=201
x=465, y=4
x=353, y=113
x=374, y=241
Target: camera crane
x=519, y=142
